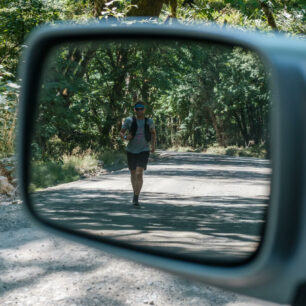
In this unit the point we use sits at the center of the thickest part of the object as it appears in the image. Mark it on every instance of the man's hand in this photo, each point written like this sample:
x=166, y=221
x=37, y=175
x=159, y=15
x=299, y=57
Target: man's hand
x=125, y=137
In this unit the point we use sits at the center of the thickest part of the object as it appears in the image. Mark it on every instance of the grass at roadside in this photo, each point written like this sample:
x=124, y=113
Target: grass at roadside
x=113, y=160
x=73, y=167
x=252, y=151
x=181, y=149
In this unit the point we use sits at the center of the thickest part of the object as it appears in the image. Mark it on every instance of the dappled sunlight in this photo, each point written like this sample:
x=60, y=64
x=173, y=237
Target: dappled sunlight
x=190, y=205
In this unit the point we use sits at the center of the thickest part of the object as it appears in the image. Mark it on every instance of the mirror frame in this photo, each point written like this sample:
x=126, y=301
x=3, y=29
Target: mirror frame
x=284, y=219
x=255, y=230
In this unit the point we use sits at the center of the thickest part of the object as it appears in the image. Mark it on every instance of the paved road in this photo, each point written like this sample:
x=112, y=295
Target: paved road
x=196, y=204
x=37, y=268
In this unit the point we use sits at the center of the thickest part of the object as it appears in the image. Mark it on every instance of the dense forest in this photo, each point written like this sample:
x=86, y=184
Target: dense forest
x=198, y=95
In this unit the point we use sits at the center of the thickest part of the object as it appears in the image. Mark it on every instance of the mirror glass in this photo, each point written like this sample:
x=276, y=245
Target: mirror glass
x=205, y=191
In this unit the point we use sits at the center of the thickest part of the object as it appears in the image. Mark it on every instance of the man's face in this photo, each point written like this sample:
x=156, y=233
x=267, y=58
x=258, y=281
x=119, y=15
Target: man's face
x=139, y=110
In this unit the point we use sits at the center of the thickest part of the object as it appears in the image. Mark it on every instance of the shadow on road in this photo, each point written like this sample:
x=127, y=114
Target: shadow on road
x=226, y=168
x=211, y=159
x=225, y=223
x=200, y=226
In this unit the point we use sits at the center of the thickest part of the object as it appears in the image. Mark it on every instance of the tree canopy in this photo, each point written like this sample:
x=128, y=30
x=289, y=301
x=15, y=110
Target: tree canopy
x=173, y=88
x=198, y=94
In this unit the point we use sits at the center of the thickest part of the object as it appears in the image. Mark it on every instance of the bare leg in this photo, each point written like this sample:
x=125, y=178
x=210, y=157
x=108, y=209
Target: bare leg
x=139, y=180
x=133, y=179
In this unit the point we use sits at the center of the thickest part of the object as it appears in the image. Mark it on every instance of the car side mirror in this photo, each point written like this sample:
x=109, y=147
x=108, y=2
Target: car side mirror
x=231, y=220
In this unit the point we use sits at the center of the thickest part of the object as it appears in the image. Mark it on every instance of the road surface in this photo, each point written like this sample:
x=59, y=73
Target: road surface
x=37, y=268
x=205, y=206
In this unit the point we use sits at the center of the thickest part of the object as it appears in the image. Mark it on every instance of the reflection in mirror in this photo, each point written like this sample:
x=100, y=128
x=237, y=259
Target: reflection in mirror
x=206, y=188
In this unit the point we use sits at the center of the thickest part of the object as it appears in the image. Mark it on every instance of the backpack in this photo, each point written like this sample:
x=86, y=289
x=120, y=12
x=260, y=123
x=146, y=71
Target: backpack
x=134, y=127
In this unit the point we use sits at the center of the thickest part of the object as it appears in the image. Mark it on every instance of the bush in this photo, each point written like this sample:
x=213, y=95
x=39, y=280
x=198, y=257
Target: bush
x=215, y=149
x=181, y=149
x=254, y=151
x=81, y=163
x=258, y=151
x=71, y=168
x=113, y=159
x=232, y=151
x=46, y=174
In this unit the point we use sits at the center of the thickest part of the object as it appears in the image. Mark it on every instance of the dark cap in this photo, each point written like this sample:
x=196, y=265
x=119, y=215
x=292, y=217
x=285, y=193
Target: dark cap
x=139, y=105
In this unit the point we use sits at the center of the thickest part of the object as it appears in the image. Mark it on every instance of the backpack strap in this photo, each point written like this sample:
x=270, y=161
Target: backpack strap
x=133, y=127
x=147, y=130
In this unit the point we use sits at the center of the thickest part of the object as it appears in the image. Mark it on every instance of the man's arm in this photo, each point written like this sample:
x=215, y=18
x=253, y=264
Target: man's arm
x=153, y=139
x=122, y=133
x=123, y=136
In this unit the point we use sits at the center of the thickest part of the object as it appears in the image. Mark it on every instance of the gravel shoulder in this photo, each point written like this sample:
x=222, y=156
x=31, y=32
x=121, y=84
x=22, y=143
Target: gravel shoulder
x=37, y=268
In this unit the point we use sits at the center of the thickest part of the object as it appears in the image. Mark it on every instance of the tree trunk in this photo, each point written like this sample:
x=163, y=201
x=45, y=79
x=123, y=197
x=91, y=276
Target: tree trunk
x=151, y=8
x=98, y=6
x=218, y=129
x=242, y=128
x=266, y=9
x=144, y=8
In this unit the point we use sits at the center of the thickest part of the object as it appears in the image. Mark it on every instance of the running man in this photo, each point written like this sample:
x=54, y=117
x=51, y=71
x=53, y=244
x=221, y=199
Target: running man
x=140, y=132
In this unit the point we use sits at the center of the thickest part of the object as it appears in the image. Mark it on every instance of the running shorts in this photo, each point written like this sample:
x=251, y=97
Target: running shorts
x=138, y=160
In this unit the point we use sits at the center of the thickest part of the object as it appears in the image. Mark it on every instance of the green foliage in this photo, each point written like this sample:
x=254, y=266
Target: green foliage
x=9, y=92
x=258, y=151
x=83, y=163
x=289, y=15
x=200, y=93
x=113, y=159
x=181, y=149
x=69, y=168
x=216, y=149
x=242, y=97
x=116, y=8
x=17, y=19
x=192, y=93
x=232, y=151
x=73, y=167
x=46, y=174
